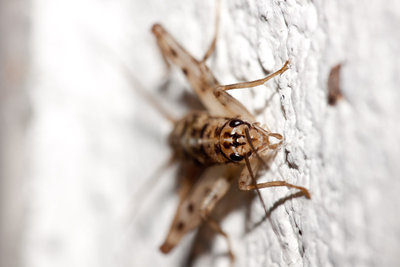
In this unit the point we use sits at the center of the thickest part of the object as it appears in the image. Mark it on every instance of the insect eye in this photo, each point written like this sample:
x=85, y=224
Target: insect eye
x=236, y=157
x=235, y=122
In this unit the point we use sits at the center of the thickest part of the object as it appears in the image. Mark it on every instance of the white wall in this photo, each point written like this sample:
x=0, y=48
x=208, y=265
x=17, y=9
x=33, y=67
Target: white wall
x=92, y=141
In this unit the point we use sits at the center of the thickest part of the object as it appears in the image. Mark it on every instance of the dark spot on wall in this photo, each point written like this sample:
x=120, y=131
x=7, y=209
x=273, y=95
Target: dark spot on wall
x=289, y=160
x=334, y=91
x=263, y=18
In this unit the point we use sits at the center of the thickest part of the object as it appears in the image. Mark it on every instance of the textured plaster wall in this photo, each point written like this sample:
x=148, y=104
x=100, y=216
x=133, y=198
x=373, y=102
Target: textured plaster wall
x=93, y=142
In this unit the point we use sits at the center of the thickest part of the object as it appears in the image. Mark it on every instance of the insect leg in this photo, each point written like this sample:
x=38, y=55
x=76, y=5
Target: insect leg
x=210, y=200
x=274, y=184
x=256, y=82
x=210, y=188
x=229, y=106
x=165, y=59
x=247, y=181
x=173, y=52
x=214, y=40
x=200, y=77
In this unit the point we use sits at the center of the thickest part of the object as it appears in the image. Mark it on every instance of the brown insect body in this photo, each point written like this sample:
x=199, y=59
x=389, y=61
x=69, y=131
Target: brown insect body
x=212, y=140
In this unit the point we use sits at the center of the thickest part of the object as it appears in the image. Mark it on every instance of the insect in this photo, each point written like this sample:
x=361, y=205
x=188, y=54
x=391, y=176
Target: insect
x=223, y=140
x=334, y=92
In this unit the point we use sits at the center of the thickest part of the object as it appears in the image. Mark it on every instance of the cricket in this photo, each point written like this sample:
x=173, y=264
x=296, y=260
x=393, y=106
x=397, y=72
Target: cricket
x=224, y=141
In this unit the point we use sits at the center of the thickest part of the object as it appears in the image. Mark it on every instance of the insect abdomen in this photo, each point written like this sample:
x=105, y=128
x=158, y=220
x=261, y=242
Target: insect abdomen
x=196, y=137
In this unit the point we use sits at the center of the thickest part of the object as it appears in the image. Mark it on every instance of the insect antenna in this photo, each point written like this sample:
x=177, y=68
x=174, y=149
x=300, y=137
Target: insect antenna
x=214, y=40
x=135, y=83
x=246, y=158
x=253, y=178
x=139, y=88
x=144, y=189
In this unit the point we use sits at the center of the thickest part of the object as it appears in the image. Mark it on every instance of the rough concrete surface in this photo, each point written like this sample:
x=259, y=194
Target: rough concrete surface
x=92, y=143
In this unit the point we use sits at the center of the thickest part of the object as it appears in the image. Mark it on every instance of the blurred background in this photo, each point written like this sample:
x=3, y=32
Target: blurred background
x=77, y=143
